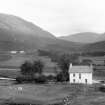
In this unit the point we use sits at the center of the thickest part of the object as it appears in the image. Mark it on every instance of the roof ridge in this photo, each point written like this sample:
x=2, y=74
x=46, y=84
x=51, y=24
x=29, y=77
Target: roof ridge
x=81, y=69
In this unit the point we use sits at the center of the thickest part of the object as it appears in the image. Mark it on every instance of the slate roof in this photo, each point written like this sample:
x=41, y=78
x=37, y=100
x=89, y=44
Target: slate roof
x=80, y=69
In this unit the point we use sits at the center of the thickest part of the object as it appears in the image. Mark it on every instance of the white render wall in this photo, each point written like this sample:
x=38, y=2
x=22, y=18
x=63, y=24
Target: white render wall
x=84, y=76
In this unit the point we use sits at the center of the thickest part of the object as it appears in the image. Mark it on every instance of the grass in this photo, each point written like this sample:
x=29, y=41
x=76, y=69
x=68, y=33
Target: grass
x=51, y=93
x=9, y=73
x=41, y=94
x=18, y=59
x=5, y=57
x=15, y=61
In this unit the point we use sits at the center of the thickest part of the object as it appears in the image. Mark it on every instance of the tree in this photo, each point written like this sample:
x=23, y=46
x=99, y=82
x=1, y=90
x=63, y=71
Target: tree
x=29, y=69
x=38, y=67
x=26, y=68
x=63, y=63
x=87, y=61
x=41, y=79
x=60, y=77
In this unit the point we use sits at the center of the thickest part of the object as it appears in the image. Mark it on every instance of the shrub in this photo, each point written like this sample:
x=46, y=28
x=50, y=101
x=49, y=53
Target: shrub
x=19, y=79
x=60, y=77
x=40, y=79
x=51, y=78
x=102, y=88
x=22, y=79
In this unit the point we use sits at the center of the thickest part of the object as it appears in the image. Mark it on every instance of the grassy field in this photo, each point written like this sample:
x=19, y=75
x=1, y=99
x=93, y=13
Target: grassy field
x=16, y=60
x=49, y=94
x=9, y=73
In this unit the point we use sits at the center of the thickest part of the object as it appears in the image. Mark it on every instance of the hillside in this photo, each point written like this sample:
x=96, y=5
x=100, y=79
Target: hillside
x=98, y=46
x=65, y=46
x=16, y=25
x=91, y=42
x=86, y=37
x=18, y=34
x=102, y=37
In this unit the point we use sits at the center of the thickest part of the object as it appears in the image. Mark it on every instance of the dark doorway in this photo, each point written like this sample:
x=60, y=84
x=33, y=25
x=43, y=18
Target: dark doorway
x=86, y=81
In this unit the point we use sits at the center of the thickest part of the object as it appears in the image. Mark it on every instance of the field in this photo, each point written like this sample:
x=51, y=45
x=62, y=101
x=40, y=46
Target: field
x=16, y=60
x=9, y=73
x=48, y=94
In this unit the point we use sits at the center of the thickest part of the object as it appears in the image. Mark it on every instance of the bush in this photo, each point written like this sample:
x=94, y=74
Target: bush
x=29, y=79
x=40, y=79
x=59, y=78
x=22, y=79
x=51, y=78
x=19, y=79
x=102, y=88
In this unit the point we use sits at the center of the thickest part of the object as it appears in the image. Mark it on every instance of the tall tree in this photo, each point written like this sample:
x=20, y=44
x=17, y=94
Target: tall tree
x=38, y=66
x=26, y=68
x=63, y=63
x=30, y=69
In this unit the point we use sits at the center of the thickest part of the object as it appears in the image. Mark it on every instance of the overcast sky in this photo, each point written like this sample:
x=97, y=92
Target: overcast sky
x=60, y=17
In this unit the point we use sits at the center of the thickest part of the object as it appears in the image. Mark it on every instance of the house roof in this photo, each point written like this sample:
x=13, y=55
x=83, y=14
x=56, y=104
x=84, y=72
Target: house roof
x=80, y=69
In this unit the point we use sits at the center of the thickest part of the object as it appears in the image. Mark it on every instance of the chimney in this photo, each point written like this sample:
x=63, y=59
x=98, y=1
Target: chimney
x=91, y=66
x=70, y=65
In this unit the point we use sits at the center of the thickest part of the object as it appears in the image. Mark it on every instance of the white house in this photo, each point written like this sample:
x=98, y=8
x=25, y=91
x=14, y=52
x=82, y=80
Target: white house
x=80, y=74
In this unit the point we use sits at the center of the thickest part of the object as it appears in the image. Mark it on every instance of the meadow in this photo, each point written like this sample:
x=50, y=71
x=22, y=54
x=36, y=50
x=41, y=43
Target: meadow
x=51, y=94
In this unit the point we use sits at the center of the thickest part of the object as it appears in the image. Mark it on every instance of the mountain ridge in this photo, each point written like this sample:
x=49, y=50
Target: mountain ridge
x=85, y=37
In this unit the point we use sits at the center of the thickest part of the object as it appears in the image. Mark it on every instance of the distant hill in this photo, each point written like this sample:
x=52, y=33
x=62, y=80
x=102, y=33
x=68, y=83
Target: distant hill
x=19, y=34
x=86, y=37
x=91, y=41
x=65, y=46
x=102, y=37
x=98, y=46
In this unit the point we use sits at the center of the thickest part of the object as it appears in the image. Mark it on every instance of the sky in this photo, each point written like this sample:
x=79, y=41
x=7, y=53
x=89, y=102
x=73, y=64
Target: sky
x=60, y=17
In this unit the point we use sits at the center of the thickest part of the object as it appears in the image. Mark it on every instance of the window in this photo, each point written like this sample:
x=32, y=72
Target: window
x=79, y=76
x=73, y=75
x=86, y=81
x=74, y=80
